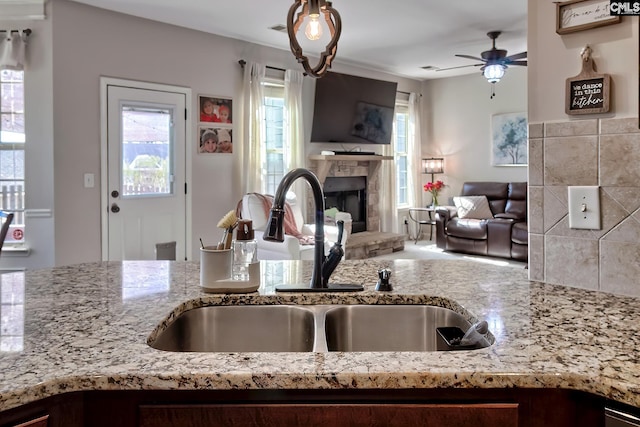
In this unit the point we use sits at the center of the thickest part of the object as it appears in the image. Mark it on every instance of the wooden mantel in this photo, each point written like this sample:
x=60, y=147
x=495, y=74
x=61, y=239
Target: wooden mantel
x=325, y=161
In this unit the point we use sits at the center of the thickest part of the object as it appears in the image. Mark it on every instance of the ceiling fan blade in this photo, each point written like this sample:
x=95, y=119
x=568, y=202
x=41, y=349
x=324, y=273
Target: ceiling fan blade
x=518, y=63
x=471, y=57
x=516, y=56
x=460, y=66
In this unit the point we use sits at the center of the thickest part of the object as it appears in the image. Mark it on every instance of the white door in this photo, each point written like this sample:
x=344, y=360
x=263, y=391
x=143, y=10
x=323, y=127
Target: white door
x=145, y=193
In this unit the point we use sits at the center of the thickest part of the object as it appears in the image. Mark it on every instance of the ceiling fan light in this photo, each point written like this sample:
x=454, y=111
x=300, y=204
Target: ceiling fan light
x=494, y=72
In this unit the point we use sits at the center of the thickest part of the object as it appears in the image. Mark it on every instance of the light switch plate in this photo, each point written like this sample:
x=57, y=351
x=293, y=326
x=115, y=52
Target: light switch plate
x=584, y=207
x=89, y=180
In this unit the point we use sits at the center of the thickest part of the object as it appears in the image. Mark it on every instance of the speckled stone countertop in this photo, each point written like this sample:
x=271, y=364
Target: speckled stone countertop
x=86, y=327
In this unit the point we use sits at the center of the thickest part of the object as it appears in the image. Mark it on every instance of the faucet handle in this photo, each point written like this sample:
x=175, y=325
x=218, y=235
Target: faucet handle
x=340, y=225
x=384, y=274
x=335, y=255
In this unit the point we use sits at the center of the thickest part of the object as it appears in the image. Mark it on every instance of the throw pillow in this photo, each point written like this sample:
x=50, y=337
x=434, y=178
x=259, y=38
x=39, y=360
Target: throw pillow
x=473, y=207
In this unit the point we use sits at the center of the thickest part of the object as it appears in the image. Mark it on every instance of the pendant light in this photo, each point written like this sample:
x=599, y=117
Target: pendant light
x=313, y=11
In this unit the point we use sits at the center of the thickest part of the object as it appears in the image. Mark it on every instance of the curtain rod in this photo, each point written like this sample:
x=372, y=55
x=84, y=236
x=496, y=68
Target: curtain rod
x=406, y=93
x=27, y=31
x=242, y=63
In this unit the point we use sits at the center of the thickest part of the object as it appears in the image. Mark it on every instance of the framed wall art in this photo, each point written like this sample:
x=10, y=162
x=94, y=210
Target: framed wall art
x=215, y=140
x=509, y=139
x=215, y=109
x=373, y=123
x=579, y=15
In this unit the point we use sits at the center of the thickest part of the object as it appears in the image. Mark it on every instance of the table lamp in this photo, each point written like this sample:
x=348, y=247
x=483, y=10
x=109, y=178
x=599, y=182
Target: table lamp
x=433, y=166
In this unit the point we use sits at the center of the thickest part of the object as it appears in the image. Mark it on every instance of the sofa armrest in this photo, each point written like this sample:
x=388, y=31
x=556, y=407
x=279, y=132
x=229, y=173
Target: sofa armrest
x=507, y=215
x=443, y=215
x=289, y=249
x=330, y=233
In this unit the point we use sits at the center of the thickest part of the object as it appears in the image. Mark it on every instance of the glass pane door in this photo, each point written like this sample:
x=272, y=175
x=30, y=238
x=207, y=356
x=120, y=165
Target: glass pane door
x=147, y=147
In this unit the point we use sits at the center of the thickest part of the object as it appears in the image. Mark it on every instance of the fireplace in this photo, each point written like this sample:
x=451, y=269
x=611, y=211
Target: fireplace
x=348, y=194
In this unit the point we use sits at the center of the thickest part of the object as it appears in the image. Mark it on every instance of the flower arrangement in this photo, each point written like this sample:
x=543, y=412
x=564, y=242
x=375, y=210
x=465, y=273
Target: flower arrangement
x=434, y=188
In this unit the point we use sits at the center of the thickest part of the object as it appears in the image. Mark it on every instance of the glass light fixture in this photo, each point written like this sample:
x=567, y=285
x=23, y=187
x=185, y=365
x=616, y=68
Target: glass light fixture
x=433, y=165
x=311, y=10
x=494, y=72
x=313, y=30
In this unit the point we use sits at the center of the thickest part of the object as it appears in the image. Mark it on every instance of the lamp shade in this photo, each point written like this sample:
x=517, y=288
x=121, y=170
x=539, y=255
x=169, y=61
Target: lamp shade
x=433, y=165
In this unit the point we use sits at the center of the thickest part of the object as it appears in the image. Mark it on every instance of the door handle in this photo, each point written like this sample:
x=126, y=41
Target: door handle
x=115, y=208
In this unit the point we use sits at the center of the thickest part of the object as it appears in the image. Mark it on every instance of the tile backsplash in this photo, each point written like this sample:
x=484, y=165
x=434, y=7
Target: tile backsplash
x=602, y=152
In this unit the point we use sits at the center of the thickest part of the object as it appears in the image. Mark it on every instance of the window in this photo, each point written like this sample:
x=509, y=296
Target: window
x=274, y=135
x=12, y=140
x=401, y=125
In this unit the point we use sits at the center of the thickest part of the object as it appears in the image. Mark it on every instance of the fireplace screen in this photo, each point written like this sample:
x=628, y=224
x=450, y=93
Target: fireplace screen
x=348, y=194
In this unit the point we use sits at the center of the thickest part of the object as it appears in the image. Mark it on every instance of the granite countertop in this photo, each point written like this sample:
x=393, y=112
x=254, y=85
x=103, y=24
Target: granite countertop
x=85, y=327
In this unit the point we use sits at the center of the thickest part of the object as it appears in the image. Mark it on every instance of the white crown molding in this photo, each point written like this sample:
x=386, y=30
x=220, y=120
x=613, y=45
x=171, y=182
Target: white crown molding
x=21, y=10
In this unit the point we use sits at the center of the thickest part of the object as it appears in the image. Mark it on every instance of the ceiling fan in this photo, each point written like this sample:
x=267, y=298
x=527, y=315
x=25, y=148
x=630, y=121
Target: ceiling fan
x=494, y=61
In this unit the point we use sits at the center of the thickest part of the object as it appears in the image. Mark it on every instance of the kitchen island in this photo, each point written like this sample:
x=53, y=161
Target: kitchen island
x=85, y=328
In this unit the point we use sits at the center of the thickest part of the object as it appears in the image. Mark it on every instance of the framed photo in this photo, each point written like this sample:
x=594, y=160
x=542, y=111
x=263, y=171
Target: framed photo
x=509, y=139
x=579, y=15
x=215, y=109
x=215, y=140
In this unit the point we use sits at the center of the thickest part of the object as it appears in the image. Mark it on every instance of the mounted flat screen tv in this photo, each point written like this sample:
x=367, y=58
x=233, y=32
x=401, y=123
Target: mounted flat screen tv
x=352, y=109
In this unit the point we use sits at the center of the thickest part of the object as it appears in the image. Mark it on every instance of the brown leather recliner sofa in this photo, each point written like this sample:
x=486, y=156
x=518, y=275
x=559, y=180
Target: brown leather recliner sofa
x=505, y=235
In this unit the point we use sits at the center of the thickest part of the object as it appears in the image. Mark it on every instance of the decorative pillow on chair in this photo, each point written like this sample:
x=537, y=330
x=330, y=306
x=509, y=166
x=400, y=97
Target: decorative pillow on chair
x=473, y=207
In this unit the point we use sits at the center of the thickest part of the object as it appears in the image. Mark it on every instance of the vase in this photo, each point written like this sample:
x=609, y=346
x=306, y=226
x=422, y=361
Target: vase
x=434, y=201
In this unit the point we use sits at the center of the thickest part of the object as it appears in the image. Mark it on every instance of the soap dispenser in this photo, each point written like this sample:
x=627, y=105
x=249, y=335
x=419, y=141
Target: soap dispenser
x=245, y=250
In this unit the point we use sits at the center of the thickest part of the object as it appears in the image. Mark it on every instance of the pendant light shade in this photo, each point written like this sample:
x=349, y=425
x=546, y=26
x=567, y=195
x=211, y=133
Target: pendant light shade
x=314, y=11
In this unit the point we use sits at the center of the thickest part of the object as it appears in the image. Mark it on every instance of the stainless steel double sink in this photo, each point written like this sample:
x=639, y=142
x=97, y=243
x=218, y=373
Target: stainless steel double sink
x=308, y=328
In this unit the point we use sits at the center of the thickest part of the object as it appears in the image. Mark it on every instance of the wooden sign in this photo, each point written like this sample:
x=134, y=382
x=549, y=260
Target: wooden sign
x=578, y=15
x=588, y=92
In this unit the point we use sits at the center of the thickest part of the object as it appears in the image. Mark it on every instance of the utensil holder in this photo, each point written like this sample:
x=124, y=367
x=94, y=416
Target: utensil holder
x=215, y=265
x=216, y=272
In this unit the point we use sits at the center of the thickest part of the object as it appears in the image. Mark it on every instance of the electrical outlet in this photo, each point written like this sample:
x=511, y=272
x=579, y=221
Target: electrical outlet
x=406, y=221
x=584, y=207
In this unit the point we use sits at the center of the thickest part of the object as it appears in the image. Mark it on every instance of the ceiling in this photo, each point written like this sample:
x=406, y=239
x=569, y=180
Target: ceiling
x=397, y=37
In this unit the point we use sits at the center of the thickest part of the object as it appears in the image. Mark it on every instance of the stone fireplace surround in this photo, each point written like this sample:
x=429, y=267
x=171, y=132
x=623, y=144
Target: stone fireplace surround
x=371, y=242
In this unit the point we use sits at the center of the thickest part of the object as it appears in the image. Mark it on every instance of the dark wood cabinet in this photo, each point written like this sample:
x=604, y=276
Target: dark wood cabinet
x=336, y=415
x=344, y=407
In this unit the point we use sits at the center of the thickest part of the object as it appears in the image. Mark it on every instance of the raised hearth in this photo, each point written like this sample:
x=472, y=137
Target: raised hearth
x=373, y=243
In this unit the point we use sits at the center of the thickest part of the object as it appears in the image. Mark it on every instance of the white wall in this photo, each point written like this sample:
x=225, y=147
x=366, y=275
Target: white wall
x=69, y=52
x=554, y=58
x=457, y=126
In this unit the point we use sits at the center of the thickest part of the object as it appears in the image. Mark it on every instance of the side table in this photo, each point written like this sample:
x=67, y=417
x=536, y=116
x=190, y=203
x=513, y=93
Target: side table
x=423, y=216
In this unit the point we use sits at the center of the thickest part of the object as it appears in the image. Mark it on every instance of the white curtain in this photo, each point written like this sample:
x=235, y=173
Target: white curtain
x=388, y=210
x=253, y=149
x=294, y=130
x=12, y=50
x=388, y=197
x=414, y=152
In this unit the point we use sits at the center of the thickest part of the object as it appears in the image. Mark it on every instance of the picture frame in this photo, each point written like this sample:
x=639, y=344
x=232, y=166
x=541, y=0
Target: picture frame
x=373, y=122
x=509, y=139
x=580, y=15
x=215, y=109
x=215, y=140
